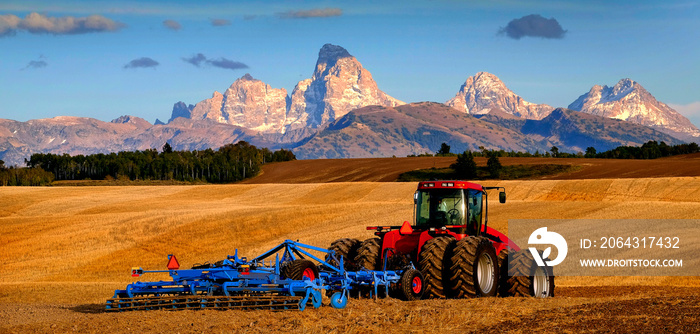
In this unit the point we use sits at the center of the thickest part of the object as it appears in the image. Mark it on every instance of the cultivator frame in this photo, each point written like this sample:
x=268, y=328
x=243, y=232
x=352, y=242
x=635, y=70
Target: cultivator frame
x=239, y=283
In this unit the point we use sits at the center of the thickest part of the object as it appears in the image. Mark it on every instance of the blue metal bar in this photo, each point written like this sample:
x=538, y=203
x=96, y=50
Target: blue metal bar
x=268, y=253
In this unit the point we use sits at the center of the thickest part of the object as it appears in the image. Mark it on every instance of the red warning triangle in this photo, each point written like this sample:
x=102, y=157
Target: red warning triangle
x=406, y=228
x=173, y=263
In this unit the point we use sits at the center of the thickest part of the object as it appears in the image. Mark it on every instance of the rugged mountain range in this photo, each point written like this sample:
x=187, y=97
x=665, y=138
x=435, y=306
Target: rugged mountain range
x=81, y=135
x=629, y=101
x=341, y=113
x=421, y=127
x=338, y=85
x=415, y=128
x=574, y=131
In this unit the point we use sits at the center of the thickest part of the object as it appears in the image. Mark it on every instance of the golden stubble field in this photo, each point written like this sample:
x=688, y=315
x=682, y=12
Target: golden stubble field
x=65, y=249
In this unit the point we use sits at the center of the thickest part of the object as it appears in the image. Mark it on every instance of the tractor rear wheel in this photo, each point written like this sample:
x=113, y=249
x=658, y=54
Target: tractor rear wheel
x=474, y=268
x=345, y=248
x=369, y=254
x=299, y=269
x=431, y=260
x=527, y=279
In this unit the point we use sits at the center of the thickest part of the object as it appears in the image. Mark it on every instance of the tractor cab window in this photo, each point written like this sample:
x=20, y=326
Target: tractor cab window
x=440, y=207
x=475, y=211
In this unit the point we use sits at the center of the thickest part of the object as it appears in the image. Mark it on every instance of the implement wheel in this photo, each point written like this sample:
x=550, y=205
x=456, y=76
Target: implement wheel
x=345, y=248
x=527, y=279
x=411, y=286
x=369, y=254
x=299, y=270
x=474, y=268
x=431, y=260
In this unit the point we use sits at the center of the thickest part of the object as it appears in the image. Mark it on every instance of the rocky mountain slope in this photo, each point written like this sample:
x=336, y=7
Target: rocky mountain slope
x=629, y=101
x=573, y=131
x=414, y=128
x=485, y=92
x=338, y=85
x=421, y=127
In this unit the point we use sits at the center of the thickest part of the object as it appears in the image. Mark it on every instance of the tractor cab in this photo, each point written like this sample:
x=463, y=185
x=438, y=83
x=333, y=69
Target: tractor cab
x=459, y=206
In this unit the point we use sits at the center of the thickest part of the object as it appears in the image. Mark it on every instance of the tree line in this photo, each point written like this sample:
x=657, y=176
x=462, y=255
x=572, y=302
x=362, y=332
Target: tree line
x=648, y=150
x=465, y=167
x=229, y=163
x=24, y=176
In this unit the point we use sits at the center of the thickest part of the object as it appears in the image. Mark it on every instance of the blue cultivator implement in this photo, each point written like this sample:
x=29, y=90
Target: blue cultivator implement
x=290, y=282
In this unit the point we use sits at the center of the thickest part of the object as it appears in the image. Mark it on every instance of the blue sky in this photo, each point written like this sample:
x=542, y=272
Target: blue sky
x=415, y=50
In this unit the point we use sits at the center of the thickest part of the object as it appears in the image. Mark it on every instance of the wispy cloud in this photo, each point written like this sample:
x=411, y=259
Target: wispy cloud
x=227, y=64
x=311, y=13
x=195, y=60
x=35, y=64
x=249, y=17
x=533, y=25
x=143, y=62
x=220, y=22
x=199, y=59
x=36, y=23
x=172, y=25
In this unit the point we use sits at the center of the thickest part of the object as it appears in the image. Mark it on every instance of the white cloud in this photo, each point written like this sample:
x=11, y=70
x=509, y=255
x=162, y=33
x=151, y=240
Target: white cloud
x=36, y=23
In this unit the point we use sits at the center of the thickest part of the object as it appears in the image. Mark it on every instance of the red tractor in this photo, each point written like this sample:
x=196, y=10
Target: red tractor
x=450, y=242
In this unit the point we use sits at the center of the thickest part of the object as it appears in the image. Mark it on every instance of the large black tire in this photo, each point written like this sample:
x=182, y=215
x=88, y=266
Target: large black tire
x=411, y=286
x=347, y=249
x=474, y=268
x=431, y=261
x=527, y=279
x=369, y=254
x=503, y=275
x=297, y=269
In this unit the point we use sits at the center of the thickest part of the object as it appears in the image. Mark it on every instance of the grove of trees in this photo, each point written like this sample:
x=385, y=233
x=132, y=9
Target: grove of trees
x=649, y=150
x=24, y=176
x=230, y=163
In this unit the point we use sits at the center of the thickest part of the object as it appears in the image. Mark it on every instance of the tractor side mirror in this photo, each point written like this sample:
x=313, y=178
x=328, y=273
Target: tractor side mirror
x=502, y=197
x=415, y=198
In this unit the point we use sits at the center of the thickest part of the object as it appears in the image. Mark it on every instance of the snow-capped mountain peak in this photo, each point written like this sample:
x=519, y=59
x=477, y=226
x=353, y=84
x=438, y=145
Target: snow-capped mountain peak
x=629, y=101
x=484, y=92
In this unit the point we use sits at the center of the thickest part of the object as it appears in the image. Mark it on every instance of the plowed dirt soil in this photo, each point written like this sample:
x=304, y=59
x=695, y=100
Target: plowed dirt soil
x=63, y=251
x=389, y=169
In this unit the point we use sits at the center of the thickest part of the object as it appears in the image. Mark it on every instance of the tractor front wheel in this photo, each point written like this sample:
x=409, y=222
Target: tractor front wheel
x=474, y=268
x=431, y=260
x=503, y=275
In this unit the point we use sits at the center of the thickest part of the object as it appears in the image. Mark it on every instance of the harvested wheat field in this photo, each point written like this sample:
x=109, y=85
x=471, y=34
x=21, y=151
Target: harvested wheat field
x=65, y=249
x=389, y=169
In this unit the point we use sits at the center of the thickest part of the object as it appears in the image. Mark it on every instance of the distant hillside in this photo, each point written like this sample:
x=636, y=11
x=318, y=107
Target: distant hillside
x=421, y=127
x=414, y=128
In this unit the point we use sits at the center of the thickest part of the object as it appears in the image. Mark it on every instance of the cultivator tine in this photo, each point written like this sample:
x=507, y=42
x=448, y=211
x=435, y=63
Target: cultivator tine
x=274, y=302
